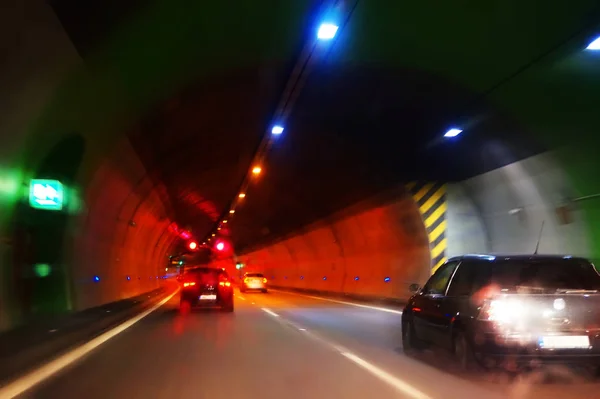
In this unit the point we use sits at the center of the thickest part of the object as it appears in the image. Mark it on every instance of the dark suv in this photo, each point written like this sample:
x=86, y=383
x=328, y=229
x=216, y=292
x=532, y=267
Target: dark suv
x=508, y=311
x=206, y=287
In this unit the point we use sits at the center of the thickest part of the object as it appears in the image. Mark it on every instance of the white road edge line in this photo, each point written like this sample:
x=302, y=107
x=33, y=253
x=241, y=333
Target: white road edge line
x=386, y=377
x=242, y=298
x=269, y=311
x=28, y=381
x=343, y=302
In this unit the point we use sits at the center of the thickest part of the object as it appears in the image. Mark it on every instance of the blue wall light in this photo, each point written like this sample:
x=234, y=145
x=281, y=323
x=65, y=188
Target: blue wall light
x=96, y=279
x=301, y=277
x=324, y=277
x=387, y=279
x=356, y=278
x=128, y=278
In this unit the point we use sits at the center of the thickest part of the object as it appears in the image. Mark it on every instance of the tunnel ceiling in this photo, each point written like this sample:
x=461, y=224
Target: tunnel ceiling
x=370, y=115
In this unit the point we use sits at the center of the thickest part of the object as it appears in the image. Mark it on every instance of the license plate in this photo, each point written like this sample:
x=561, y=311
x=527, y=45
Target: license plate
x=565, y=342
x=208, y=297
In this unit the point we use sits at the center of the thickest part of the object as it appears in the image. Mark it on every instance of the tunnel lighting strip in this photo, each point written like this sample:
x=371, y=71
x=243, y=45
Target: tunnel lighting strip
x=292, y=90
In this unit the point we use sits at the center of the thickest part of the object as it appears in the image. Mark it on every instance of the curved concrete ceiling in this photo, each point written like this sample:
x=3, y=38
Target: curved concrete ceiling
x=199, y=97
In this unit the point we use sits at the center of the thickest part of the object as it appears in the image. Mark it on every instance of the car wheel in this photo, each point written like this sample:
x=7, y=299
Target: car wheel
x=463, y=352
x=410, y=342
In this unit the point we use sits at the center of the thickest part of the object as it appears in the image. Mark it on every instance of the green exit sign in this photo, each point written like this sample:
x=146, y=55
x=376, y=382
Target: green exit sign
x=46, y=194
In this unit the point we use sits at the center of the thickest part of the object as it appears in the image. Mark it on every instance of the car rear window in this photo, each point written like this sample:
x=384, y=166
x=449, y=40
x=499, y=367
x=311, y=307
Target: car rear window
x=553, y=274
x=254, y=275
x=207, y=272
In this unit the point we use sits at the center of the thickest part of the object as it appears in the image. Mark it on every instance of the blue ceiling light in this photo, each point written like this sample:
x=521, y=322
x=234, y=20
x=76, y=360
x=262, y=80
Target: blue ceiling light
x=387, y=279
x=96, y=279
x=277, y=130
x=594, y=45
x=453, y=132
x=327, y=31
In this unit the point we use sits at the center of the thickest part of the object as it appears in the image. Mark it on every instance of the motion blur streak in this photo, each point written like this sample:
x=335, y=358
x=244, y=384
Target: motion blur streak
x=30, y=380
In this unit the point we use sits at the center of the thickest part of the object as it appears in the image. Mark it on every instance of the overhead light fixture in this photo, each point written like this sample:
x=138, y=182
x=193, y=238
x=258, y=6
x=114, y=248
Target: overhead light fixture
x=225, y=221
x=277, y=129
x=327, y=31
x=256, y=170
x=453, y=132
x=232, y=211
x=213, y=234
x=594, y=45
x=242, y=195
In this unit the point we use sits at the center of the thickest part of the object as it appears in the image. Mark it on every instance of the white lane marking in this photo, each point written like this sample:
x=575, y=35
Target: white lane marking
x=241, y=297
x=397, y=383
x=269, y=311
x=386, y=377
x=344, y=302
x=28, y=381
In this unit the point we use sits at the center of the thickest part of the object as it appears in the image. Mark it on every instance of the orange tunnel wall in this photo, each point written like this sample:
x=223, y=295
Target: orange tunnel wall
x=352, y=253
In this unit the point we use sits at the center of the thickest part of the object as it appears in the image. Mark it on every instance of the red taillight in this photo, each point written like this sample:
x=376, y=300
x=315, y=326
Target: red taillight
x=189, y=284
x=246, y=280
x=264, y=281
x=225, y=284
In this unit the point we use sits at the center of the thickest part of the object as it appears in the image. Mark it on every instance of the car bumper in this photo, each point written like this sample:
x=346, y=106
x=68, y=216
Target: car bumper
x=528, y=351
x=196, y=301
x=254, y=287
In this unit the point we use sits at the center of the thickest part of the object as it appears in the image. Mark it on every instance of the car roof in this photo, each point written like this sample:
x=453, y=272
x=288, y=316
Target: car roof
x=203, y=268
x=517, y=257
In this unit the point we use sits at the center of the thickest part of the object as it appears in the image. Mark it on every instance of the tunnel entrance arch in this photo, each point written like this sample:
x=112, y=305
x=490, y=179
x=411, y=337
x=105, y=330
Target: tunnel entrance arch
x=39, y=264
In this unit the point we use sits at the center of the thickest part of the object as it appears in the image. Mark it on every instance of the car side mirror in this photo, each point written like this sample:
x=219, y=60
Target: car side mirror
x=414, y=288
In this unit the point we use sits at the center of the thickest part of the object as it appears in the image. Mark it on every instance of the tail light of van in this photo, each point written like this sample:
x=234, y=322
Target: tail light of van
x=264, y=281
x=188, y=284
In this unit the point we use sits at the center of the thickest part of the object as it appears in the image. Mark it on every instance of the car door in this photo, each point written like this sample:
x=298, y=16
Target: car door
x=427, y=311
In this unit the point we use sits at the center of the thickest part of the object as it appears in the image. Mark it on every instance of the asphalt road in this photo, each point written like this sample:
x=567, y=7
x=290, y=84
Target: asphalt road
x=282, y=345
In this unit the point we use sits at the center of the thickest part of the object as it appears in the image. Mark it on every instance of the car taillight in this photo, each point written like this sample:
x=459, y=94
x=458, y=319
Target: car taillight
x=224, y=283
x=264, y=280
x=189, y=284
x=502, y=311
x=246, y=280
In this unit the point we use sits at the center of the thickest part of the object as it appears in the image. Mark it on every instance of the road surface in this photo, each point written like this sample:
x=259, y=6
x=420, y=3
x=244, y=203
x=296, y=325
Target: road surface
x=280, y=345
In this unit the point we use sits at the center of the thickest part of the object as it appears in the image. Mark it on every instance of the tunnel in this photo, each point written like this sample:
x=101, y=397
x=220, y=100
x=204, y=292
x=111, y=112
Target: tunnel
x=350, y=165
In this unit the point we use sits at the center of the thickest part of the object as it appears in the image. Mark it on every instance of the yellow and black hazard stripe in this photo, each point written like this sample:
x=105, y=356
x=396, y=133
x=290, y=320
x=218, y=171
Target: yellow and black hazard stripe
x=431, y=200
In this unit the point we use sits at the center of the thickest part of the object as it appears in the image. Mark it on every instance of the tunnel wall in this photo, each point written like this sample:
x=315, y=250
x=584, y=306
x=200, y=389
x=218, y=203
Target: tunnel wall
x=108, y=190
x=352, y=253
x=120, y=233
x=502, y=211
x=499, y=212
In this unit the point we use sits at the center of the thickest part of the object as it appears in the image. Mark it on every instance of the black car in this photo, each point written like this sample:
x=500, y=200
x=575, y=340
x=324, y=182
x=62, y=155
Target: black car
x=206, y=287
x=508, y=311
